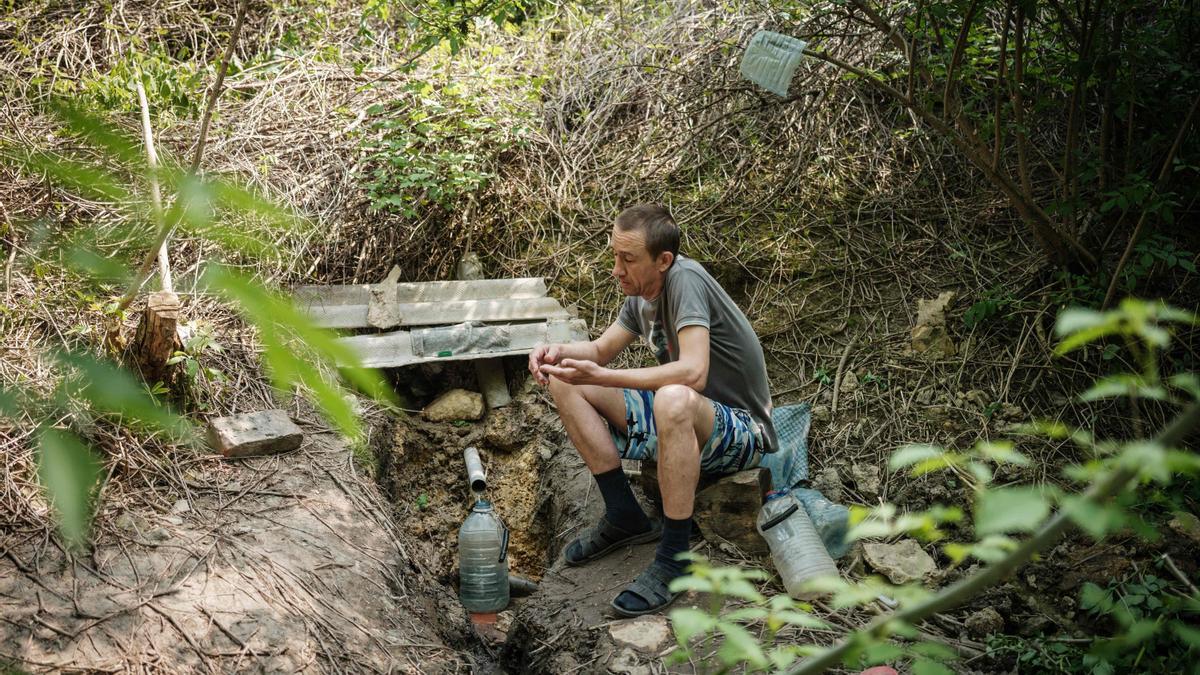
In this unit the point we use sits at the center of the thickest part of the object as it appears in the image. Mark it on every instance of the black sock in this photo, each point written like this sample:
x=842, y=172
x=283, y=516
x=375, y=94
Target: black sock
x=620, y=506
x=676, y=534
x=674, y=540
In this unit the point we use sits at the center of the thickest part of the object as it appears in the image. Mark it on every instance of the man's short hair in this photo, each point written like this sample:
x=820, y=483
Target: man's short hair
x=655, y=223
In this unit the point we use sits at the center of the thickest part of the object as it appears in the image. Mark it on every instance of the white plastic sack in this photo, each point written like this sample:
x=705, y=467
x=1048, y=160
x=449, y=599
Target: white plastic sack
x=770, y=60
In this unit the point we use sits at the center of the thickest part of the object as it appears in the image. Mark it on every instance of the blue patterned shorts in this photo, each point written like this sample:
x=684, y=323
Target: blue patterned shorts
x=735, y=444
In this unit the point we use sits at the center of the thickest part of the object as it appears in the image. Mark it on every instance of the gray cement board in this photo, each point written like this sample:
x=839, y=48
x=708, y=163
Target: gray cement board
x=391, y=350
x=347, y=306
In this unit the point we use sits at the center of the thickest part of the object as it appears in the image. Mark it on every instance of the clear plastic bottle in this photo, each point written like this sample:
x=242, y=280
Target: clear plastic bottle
x=483, y=560
x=796, y=548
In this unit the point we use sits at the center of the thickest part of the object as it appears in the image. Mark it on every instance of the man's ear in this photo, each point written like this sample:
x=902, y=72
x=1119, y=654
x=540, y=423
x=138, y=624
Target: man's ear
x=664, y=261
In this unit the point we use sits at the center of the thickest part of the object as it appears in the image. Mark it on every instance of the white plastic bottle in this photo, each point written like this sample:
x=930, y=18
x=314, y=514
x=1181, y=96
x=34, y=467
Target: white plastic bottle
x=796, y=548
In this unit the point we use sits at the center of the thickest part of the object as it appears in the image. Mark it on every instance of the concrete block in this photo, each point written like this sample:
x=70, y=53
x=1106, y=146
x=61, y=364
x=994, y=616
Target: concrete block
x=265, y=432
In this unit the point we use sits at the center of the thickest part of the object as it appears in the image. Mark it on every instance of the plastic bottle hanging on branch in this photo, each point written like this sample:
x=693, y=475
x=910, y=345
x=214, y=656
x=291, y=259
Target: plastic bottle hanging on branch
x=770, y=60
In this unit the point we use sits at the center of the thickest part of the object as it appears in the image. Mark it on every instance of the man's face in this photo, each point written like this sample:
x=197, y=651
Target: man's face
x=636, y=270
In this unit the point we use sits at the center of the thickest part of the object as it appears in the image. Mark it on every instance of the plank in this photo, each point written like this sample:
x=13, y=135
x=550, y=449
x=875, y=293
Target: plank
x=458, y=311
x=347, y=306
x=391, y=350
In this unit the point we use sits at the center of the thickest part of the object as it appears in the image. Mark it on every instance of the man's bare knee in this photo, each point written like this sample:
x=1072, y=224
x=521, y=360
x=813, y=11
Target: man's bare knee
x=675, y=404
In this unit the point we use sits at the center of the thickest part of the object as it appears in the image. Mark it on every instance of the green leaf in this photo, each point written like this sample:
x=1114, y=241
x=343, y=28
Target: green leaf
x=295, y=348
x=928, y=667
x=690, y=622
x=1001, y=452
x=690, y=583
x=98, y=132
x=1001, y=510
x=1188, y=382
x=1092, y=596
x=1189, y=635
x=1075, y=319
x=801, y=619
x=1095, y=519
x=70, y=473
x=113, y=390
x=912, y=454
x=740, y=646
x=1125, y=384
x=881, y=652
x=10, y=403
x=935, y=651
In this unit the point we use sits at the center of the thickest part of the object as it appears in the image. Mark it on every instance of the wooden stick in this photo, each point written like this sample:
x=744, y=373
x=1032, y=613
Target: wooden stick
x=164, y=263
x=837, y=380
x=168, y=224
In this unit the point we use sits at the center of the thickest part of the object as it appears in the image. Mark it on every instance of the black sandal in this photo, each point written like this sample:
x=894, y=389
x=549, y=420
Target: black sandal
x=603, y=539
x=653, y=587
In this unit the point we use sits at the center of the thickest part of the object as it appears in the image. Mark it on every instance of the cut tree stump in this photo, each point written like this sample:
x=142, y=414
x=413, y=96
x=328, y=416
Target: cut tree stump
x=157, y=337
x=265, y=432
x=726, y=506
x=728, y=509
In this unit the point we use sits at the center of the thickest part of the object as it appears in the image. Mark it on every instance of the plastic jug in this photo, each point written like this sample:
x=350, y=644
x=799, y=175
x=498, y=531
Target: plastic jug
x=483, y=560
x=796, y=548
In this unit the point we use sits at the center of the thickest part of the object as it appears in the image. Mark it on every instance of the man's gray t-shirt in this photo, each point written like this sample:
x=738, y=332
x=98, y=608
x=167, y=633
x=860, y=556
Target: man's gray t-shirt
x=737, y=371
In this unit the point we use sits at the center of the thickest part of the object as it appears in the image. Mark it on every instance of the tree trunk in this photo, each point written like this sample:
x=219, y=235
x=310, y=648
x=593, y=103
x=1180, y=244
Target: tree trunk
x=157, y=338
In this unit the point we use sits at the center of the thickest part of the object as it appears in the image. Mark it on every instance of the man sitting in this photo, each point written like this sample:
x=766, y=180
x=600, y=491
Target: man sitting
x=705, y=408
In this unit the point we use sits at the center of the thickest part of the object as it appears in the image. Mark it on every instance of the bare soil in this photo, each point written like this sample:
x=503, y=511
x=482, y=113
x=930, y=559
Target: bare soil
x=283, y=564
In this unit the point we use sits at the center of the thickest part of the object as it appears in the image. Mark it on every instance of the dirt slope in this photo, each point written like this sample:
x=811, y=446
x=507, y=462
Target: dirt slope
x=283, y=564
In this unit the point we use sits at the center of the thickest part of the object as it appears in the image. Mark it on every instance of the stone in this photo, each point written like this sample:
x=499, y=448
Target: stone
x=563, y=662
x=1186, y=525
x=645, y=634
x=985, y=622
x=131, y=523
x=456, y=404
x=626, y=662
x=507, y=429
x=728, y=510
x=867, y=481
x=829, y=483
x=929, y=334
x=1011, y=411
x=902, y=562
x=849, y=383
x=181, y=506
x=265, y=432
x=978, y=397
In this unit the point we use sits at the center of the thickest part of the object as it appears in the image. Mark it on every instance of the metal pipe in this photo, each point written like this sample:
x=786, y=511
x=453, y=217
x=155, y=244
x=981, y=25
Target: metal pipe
x=475, y=475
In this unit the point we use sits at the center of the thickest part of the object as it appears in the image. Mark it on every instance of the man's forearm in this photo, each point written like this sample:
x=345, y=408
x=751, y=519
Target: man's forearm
x=656, y=377
x=582, y=351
